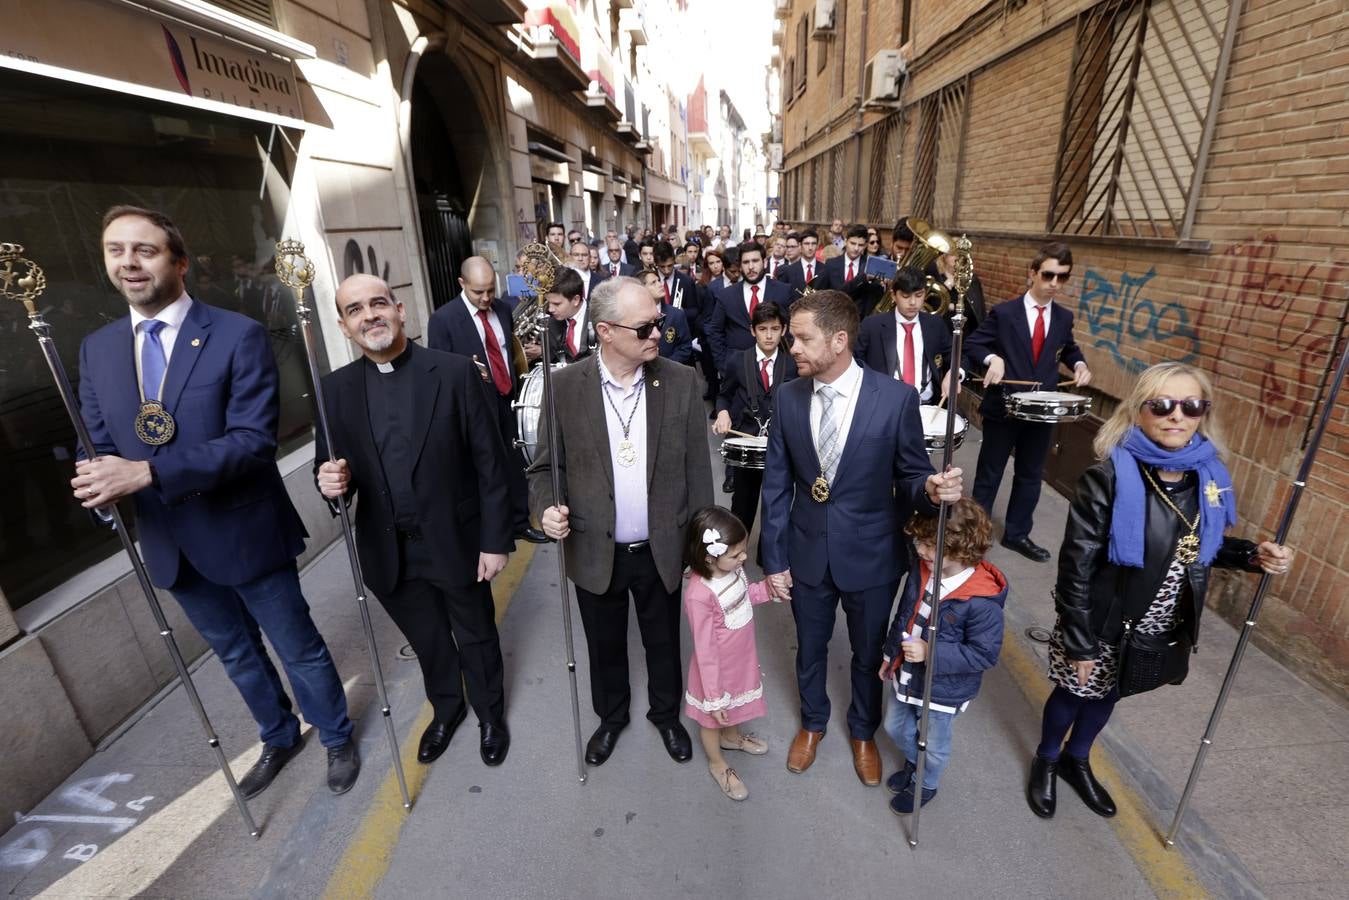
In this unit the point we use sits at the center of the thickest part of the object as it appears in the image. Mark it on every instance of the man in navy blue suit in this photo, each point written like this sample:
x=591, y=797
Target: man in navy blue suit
x=909, y=345
x=460, y=327
x=728, y=327
x=613, y=265
x=1025, y=339
x=847, y=273
x=846, y=468
x=181, y=402
x=804, y=270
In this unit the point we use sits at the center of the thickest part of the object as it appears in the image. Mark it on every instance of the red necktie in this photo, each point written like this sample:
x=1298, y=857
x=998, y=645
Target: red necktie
x=850, y=271
x=763, y=374
x=1037, y=338
x=810, y=273
x=909, y=364
x=501, y=376
x=571, y=336
x=666, y=286
x=753, y=301
x=613, y=270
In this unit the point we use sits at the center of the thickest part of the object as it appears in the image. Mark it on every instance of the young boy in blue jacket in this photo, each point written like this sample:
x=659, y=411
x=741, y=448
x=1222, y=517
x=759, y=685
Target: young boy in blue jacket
x=968, y=642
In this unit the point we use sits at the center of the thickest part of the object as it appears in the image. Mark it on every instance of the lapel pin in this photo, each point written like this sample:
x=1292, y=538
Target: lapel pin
x=655, y=382
x=196, y=342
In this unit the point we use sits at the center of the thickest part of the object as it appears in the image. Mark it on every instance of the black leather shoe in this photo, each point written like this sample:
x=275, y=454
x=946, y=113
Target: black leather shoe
x=344, y=764
x=495, y=742
x=1042, y=789
x=437, y=736
x=1077, y=772
x=532, y=535
x=677, y=742
x=1027, y=548
x=902, y=803
x=268, y=766
x=728, y=485
x=600, y=745
x=900, y=781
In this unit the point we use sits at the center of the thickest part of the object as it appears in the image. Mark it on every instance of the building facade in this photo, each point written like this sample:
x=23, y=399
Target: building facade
x=1190, y=151
x=393, y=138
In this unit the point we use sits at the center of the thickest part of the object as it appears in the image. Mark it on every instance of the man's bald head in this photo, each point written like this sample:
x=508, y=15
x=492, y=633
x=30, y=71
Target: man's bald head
x=359, y=285
x=479, y=281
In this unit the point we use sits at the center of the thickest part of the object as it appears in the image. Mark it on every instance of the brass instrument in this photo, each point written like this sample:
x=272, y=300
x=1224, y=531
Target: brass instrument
x=928, y=244
x=539, y=269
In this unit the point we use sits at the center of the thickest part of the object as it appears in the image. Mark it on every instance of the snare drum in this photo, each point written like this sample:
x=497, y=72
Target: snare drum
x=1047, y=406
x=745, y=453
x=934, y=429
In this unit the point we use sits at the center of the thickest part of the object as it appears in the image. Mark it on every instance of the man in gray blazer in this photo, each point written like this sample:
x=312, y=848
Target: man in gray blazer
x=634, y=465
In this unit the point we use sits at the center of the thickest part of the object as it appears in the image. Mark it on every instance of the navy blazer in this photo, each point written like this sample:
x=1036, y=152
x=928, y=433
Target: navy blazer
x=857, y=535
x=741, y=398
x=218, y=499
x=865, y=293
x=878, y=348
x=728, y=327
x=623, y=270
x=452, y=330
x=794, y=276
x=692, y=302
x=676, y=341
x=1006, y=332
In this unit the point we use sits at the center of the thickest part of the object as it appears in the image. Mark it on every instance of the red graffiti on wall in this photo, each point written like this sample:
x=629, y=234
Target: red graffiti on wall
x=1251, y=290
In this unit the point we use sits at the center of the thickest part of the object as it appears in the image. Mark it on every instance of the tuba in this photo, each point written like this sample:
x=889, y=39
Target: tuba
x=928, y=244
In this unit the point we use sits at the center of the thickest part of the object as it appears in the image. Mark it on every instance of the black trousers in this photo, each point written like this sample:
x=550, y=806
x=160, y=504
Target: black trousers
x=452, y=629
x=517, y=486
x=745, y=498
x=1031, y=442
x=605, y=619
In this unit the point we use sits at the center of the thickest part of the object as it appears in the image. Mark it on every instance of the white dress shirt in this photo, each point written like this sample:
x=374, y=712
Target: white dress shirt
x=580, y=318
x=496, y=331
x=1031, y=315
x=172, y=316
x=849, y=386
x=585, y=281
x=921, y=380
x=758, y=364
x=631, y=523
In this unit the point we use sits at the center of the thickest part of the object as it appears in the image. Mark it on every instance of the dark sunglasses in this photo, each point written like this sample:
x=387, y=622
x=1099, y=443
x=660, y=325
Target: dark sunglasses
x=1192, y=407
x=1061, y=276
x=644, y=330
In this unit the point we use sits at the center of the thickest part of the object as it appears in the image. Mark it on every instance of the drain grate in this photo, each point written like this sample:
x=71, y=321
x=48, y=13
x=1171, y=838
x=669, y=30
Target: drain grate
x=1039, y=634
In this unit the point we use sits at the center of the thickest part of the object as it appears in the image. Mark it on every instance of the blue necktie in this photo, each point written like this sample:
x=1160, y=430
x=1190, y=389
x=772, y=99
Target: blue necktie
x=153, y=362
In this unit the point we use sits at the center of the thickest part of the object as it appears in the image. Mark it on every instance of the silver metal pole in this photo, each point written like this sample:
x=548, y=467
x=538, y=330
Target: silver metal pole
x=297, y=272
x=1285, y=524
x=547, y=340
x=964, y=276
x=30, y=287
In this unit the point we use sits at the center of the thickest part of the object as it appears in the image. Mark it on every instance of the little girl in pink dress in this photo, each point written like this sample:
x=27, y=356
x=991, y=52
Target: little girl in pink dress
x=724, y=684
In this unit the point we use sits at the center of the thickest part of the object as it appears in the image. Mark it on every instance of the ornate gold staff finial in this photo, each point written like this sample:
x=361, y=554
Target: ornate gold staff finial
x=21, y=279
x=296, y=271
x=964, y=269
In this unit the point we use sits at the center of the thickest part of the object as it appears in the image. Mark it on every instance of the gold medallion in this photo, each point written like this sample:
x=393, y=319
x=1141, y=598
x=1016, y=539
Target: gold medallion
x=819, y=491
x=627, y=454
x=669, y=335
x=1187, y=549
x=937, y=360
x=154, y=425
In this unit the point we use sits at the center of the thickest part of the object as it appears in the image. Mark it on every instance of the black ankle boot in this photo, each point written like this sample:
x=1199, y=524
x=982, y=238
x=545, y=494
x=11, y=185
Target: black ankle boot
x=1077, y=772
x=1042, y=789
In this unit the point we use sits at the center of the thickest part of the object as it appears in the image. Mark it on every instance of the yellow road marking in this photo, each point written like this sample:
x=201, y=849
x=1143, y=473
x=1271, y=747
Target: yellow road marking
x=370, y=851
x=1166, y=871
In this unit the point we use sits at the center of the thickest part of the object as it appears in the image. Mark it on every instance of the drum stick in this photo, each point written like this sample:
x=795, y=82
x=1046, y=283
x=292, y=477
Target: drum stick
x=742, y=434
x=1014, y=381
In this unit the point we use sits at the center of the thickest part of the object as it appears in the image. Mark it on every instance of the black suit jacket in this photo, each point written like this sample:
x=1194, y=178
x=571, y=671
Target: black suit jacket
x=692, y=302
x=877, y=347
x=865, y=293
x=740, y=397
x=459, y=475
x=728, y=328
x=794, y=276
x=452, y=330
x=1007, y=333
x=624, y=269
x=585, y=340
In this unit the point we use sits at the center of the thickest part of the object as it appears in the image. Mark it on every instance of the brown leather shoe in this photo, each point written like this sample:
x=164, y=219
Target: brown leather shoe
x=802, y=752
x=867, y=762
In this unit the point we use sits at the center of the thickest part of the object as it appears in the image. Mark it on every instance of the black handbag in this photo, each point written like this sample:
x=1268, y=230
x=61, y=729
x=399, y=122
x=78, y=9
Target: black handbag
x=1148, y=661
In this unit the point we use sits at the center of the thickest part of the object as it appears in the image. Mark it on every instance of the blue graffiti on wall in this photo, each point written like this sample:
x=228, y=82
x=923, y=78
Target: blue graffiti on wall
x=1119, y=319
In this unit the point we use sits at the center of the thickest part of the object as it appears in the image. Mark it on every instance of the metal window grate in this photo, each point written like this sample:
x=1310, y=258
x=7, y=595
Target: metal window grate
x=1138, y=116
x=259, y=11
x=936, y=176
x=840, y=183
x=884, y=162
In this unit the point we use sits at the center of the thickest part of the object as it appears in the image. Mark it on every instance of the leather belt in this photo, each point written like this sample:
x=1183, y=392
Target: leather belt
x=637, y=547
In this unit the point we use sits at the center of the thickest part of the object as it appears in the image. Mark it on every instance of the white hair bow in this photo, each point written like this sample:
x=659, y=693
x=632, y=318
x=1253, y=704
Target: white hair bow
x=712, y=538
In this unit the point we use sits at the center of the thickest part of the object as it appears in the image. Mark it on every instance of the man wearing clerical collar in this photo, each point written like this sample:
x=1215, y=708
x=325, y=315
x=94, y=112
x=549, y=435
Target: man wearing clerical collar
x=414, y=437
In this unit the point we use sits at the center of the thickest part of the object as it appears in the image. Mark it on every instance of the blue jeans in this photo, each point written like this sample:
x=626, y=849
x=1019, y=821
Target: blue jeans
x=901, y=723
x=232, y=620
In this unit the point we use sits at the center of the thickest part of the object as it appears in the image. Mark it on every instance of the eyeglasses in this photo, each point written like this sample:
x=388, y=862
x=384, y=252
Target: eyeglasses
x=1061, y=276
x=644, y=330
x=1191, y=407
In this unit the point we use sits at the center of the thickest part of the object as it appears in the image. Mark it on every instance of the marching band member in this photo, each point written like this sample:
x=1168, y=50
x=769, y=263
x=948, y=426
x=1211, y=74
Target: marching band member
x=676, y=343
x=423, y=454
x=181, y=402
x=733, y=307
x=847, y=272
x=805, y=270
x=911, y=346
x=573, y=335
x=777, y=258
x=1025, y=339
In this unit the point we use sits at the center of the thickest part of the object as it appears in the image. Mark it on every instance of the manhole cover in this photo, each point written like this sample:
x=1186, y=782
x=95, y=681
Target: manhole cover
x=405, y=652
x=1039, y=634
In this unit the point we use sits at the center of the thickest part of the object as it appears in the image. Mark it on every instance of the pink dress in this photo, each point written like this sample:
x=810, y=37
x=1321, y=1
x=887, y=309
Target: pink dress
x=724, y=670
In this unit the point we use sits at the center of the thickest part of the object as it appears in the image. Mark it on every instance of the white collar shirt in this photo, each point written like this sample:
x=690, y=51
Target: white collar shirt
x=172, y=316
x=921, y=380
x=759, y=358
x=631, y=523
x=496, y=329
x=1032, y=312
x=848, y=386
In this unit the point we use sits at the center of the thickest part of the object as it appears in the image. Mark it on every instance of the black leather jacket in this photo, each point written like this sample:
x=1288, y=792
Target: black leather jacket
x=1094, y=596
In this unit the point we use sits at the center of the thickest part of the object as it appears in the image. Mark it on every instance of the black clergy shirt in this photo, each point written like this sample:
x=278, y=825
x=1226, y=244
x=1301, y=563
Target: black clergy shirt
x=389, y=398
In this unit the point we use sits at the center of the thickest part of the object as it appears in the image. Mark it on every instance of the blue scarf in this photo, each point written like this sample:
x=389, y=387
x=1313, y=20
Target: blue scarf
x=1217, y=504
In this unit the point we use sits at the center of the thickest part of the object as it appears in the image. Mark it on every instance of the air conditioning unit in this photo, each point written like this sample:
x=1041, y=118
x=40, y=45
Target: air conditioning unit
x=825, y=11
x=884, y=76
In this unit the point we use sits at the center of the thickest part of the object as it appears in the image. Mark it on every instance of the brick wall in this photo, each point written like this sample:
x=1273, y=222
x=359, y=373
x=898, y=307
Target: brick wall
x=1260, y=309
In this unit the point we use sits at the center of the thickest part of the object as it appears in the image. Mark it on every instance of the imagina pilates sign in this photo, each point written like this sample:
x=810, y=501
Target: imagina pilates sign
x=137, y=48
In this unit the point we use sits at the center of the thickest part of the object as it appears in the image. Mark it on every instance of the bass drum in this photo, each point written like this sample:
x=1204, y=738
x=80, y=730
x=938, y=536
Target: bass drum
x=528, y=408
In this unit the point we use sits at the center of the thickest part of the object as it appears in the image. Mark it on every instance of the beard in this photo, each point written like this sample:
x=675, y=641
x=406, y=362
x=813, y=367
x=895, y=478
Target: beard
x=381, y=342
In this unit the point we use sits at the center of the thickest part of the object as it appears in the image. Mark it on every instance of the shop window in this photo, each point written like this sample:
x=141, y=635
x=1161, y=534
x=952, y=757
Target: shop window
x=67, y=154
